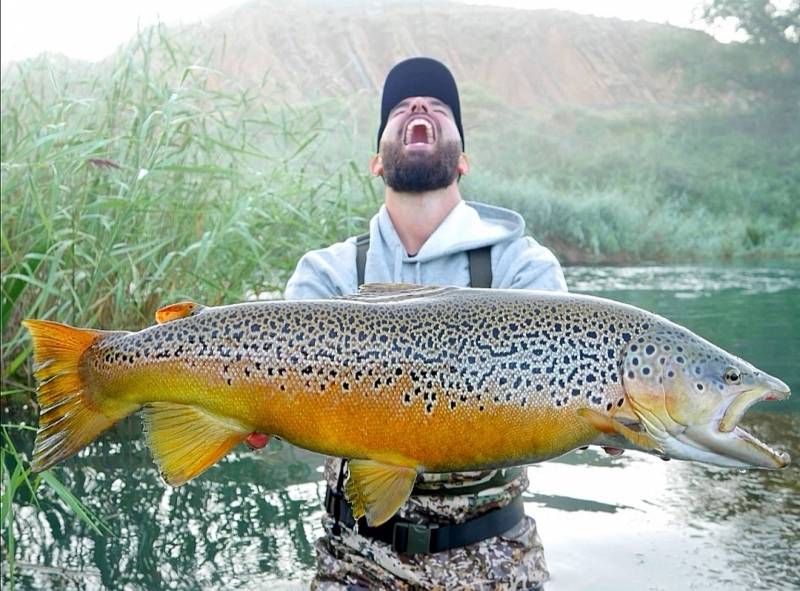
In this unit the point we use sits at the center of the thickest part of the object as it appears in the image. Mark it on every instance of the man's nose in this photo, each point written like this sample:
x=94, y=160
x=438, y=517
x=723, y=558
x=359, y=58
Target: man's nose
x=419, y=104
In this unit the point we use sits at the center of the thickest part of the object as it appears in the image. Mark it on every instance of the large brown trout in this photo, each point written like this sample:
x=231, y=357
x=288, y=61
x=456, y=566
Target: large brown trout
x=401, y=380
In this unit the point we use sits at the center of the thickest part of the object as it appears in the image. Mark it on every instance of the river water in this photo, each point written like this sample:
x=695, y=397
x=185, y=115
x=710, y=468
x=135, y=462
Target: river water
x=627, y=523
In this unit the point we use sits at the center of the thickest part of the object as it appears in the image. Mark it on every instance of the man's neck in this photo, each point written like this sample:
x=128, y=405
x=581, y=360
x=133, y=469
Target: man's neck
x=416, y=216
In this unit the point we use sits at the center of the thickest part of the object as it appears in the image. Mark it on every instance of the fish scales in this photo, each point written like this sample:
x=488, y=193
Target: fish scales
x=400, y=380
x=417, y=378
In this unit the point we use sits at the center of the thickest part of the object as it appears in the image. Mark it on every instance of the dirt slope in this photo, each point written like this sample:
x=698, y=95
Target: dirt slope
x=535, y=59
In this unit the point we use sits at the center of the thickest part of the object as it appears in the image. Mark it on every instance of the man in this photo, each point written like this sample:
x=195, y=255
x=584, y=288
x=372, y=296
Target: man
x=426, y=234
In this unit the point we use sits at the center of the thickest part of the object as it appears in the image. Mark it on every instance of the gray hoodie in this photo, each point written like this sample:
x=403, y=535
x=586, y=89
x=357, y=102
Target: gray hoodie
x=517, y=261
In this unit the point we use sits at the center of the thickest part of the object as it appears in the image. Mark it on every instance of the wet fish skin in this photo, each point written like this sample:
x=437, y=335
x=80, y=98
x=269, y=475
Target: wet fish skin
x=405, y=379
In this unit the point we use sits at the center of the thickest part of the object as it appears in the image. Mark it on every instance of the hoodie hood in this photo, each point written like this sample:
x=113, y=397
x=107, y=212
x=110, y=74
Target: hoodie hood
x=518, y=261
x=467, y=227
x=442, y=259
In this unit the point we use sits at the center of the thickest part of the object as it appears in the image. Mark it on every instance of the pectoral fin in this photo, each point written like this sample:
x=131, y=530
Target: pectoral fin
x=186, y=441
x=378, y=490
x=610, y=425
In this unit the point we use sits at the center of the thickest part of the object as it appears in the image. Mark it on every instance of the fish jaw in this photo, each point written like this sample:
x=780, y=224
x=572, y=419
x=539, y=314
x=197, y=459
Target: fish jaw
x=732, y=449
x=723, y=443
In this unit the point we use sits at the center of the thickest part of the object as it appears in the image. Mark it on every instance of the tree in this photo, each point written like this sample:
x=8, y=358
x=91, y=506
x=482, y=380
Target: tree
x=767, y=63
x=764, y=22
x=763, y=70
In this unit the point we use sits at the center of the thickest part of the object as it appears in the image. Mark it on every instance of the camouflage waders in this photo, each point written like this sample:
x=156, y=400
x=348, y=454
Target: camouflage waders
x=512, y=560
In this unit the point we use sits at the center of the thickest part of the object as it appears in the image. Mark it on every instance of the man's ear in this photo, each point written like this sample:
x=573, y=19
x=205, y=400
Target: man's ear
x=376, y=165
x=463, y=164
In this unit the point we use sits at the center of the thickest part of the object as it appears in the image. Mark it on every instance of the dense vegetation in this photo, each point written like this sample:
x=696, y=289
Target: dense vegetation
x=650, y=186
x=141, y=181
x=149, y=179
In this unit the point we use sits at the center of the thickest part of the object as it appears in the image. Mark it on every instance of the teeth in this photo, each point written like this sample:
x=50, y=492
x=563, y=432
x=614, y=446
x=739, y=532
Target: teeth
x=413, y=123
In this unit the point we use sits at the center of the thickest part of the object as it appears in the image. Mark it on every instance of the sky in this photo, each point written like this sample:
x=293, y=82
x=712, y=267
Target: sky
x=93, y=29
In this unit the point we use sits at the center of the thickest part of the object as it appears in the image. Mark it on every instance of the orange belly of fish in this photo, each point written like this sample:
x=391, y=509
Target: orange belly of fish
x=376, y=424
x=379, y=426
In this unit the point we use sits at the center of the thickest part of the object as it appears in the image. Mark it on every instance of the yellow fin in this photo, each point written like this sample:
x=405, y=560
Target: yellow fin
x=186, y=440
x=378, y=490
x=72, y=412
x=610, y=425
x=176, y=311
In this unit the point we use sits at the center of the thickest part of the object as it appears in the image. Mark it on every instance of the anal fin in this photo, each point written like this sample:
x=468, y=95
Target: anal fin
x=378, y=490
x=186, y=440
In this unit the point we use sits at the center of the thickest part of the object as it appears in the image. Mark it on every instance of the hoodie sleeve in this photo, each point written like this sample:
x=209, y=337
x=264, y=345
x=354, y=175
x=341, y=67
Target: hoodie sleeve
x=324, y=273
x=526, y=264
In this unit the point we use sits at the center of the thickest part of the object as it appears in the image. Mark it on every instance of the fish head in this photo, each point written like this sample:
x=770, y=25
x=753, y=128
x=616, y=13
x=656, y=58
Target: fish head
x=690, y=395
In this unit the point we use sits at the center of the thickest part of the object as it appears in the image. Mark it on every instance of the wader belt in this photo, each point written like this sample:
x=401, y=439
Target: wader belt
x=415, y=538
x=480, y=263
x=412, y=538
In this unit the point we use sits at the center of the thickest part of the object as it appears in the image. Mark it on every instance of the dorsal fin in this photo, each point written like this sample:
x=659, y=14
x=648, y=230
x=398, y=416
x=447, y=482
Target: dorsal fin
x=387, y=288
x=391, y=292
x=177, y=311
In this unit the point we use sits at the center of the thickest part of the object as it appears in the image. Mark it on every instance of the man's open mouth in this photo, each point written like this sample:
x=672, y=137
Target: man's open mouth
x=419, y=131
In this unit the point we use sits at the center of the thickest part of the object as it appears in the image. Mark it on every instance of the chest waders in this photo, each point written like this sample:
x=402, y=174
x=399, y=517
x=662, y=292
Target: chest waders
x=413, y=538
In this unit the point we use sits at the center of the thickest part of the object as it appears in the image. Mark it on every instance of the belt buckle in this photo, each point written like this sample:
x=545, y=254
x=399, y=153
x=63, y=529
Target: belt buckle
x=417, y=538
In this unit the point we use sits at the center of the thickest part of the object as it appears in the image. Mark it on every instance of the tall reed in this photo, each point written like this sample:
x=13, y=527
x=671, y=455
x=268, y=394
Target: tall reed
x=139, y=181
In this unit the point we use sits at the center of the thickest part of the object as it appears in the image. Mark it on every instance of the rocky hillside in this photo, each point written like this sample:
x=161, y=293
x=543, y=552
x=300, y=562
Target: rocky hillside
x=537, y=59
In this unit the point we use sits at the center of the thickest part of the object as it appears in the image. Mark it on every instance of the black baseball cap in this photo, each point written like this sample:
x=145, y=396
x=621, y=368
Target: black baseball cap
x=420, y=76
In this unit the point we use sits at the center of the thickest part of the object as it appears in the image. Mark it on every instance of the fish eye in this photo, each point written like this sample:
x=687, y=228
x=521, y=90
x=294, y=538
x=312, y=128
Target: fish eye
x=732, y=375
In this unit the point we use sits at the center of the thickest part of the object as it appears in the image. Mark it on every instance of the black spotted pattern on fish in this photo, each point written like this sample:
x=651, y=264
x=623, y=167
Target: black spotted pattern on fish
x=460, y=348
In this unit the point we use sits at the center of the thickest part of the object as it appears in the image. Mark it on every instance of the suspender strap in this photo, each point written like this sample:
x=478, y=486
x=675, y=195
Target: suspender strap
x=480, y=263
x=414, y=538
x=362, y=244
x=335, y=509
x=480, y=267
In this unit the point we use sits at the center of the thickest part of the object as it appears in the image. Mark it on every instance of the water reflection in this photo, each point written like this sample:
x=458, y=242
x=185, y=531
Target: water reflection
x=673, y=525
x=251, y=519
x=631, y=522
x=698, y=279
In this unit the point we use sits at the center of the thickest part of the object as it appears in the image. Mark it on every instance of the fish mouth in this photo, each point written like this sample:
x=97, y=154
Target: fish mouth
x=742, y=403
x=724, y=443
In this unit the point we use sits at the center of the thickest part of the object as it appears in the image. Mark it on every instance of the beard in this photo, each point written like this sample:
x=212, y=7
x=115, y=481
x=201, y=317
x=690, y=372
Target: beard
x=417, y=173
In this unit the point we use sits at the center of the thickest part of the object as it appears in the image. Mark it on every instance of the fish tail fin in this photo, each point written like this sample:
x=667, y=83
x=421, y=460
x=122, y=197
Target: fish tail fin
x=72, y=412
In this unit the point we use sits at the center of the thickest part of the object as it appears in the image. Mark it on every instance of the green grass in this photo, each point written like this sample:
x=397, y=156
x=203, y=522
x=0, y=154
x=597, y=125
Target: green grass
x=149, y=179
x=125, y=188
x=636, y=185
x=159, y=186
x=21, y=487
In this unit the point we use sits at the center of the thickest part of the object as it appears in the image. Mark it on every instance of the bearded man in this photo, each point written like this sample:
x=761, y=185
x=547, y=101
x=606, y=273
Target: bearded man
x=464, y=530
